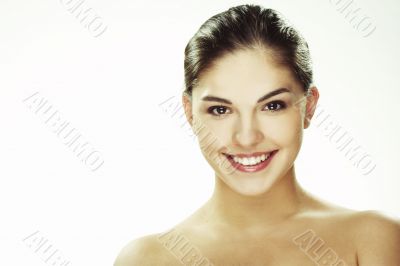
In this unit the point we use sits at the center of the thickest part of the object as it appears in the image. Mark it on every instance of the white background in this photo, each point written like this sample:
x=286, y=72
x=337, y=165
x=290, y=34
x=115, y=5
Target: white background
x=110, y=88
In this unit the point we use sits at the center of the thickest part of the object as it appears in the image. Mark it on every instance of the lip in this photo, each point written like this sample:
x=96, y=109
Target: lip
x=251, y=168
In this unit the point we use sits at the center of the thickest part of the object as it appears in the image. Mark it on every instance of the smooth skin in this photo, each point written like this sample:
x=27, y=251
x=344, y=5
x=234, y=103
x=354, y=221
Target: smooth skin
x=264, y=218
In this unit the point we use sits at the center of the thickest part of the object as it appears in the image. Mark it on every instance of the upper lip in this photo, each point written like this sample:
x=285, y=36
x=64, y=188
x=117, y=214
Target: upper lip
x=254, y=154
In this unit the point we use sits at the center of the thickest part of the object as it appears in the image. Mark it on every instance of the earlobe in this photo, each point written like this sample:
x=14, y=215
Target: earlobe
x=187, y=105
x=312, y=100
x=307, y=122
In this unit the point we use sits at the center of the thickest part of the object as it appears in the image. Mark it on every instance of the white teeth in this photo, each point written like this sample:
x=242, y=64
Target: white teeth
x=251, y=160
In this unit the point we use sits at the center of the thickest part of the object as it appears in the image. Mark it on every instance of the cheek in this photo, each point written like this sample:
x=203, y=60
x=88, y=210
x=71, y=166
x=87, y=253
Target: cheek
x=214, y=133
x=210, y=133
x=283, y=130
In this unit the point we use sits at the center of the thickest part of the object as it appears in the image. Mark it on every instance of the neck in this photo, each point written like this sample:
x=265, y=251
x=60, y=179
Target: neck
x=282, y=200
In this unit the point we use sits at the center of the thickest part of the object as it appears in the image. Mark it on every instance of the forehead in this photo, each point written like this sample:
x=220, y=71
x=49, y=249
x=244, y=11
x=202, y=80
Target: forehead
x=245, y=75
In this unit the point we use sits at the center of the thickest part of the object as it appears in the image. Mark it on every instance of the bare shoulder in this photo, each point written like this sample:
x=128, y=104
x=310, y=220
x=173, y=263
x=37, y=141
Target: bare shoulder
x=144, y=251
x=375, y=223
x=377, y=237
x=364, y=224
x=371, y=237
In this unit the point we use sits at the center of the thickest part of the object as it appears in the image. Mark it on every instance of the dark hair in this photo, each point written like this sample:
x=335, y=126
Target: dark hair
x=244, y=27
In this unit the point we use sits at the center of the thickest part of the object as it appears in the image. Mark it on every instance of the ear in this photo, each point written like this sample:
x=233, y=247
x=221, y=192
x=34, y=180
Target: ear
x=312, y=100
x=187, y=105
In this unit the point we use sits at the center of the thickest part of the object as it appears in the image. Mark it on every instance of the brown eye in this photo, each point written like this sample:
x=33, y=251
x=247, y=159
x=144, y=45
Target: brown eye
x=217, y=110
x=275, y=106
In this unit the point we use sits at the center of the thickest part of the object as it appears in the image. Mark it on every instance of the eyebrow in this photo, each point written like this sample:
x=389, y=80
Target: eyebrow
x=263, y=98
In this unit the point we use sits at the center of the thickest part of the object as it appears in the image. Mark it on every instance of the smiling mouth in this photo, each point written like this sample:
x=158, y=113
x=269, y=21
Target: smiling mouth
x=250, y=160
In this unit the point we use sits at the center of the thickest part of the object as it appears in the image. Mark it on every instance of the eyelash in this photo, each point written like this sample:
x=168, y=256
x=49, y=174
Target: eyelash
x=282, y=104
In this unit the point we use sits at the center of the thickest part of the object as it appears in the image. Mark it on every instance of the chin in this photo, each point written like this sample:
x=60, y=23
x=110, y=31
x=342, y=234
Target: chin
x=252, y=186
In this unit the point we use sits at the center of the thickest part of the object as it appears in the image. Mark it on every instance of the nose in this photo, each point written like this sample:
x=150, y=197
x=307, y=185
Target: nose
x=247, y=133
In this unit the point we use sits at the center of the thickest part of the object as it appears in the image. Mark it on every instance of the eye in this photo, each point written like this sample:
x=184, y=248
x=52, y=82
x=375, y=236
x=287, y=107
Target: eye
x=275, y=106
x=217, y=110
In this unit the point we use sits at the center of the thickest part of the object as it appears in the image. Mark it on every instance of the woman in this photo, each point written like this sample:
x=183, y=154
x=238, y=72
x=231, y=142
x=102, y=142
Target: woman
x=249, y=94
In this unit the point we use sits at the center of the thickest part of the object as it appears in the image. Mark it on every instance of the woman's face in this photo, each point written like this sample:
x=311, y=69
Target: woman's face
x=233, y=120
